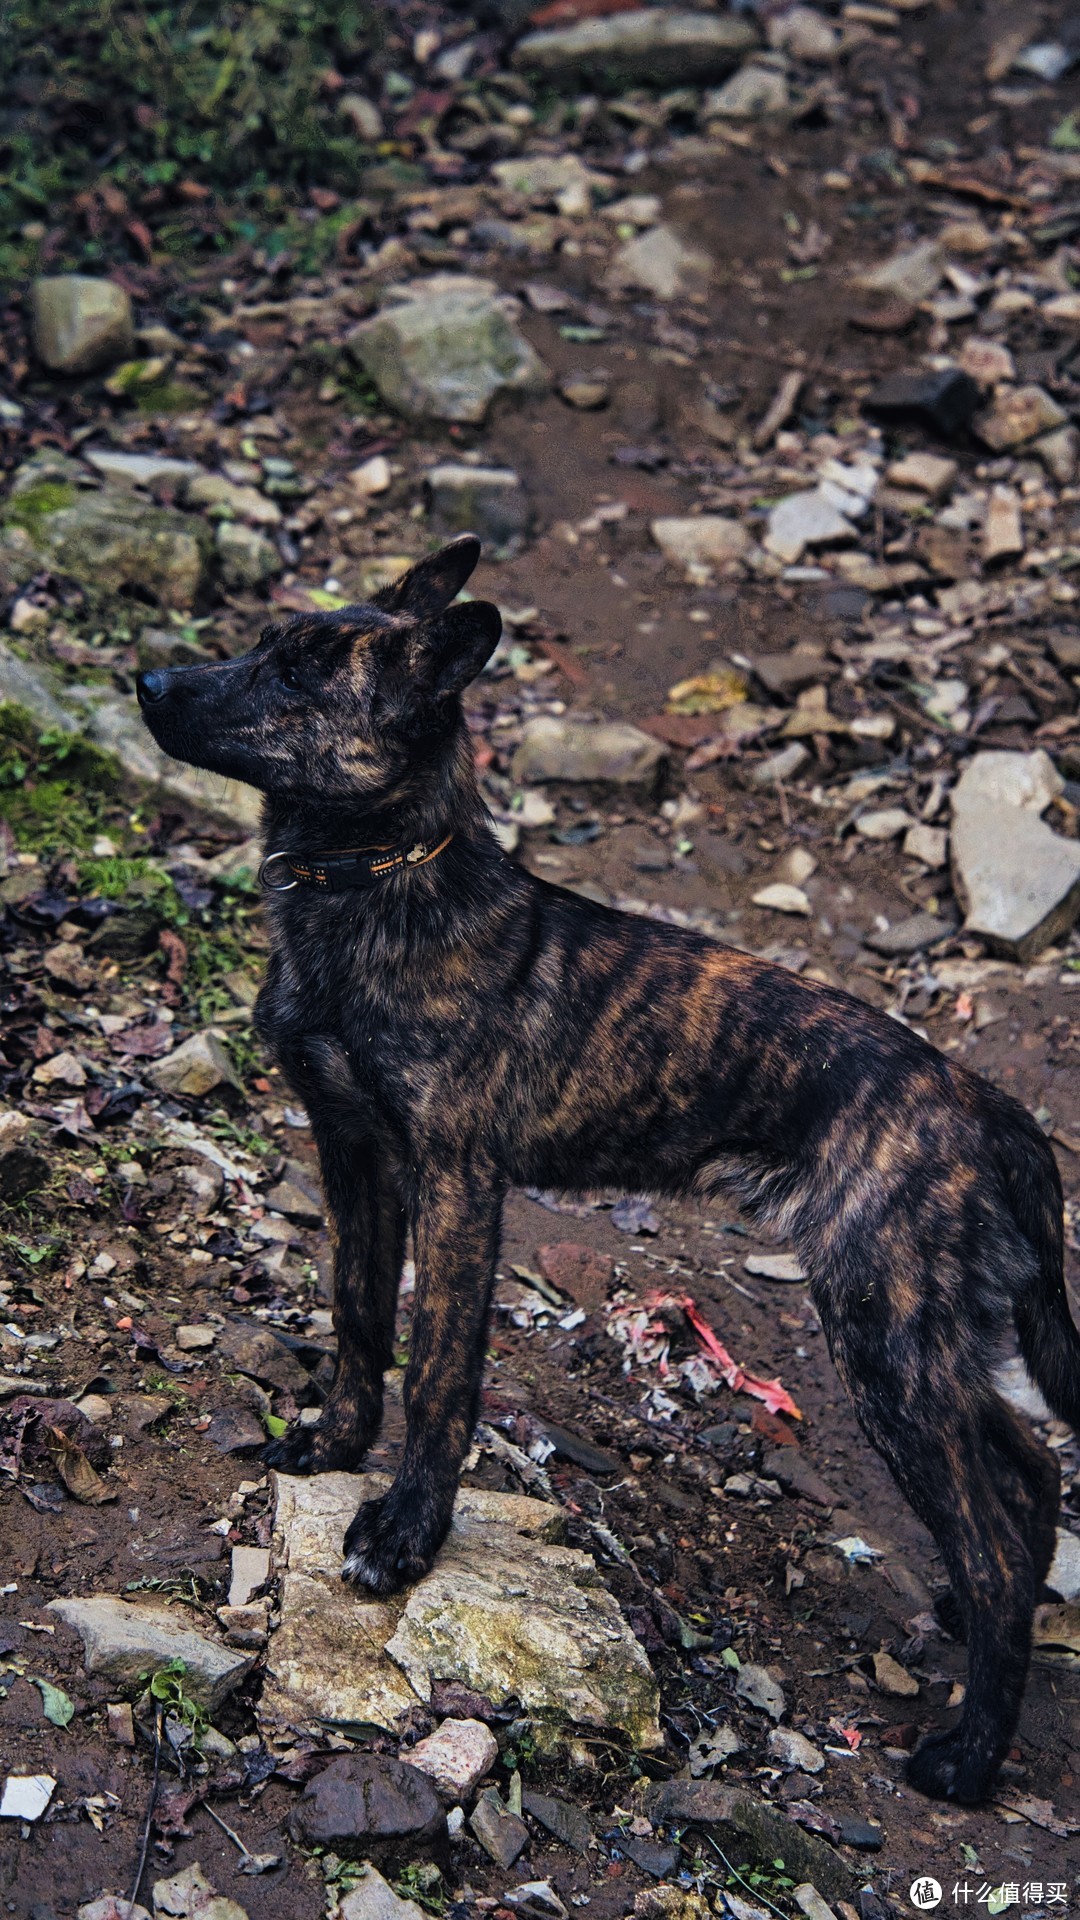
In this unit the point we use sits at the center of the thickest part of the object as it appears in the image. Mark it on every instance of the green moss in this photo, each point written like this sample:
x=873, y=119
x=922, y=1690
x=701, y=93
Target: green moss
x=225, y=92
x=171, y=397
x=57, y=791
x=30, y=508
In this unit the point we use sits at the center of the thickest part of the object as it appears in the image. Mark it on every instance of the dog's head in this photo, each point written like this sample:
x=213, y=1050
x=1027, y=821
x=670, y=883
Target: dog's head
x=335, y=706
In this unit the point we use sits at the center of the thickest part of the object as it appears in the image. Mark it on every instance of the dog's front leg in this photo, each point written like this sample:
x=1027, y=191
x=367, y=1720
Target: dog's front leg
x=367, y=1224
x=394, y=1540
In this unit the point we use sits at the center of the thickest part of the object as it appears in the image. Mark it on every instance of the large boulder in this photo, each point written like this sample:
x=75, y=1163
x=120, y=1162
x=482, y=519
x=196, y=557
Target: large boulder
x=442, y=348
x=79, y=324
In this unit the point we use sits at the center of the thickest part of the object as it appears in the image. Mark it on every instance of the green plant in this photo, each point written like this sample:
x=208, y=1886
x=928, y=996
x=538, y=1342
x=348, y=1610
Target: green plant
x=167, y=1686
x=133, y=100
x=422, y=1882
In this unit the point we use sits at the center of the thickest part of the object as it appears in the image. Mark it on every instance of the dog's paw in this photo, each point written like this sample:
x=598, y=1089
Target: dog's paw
x=320, y=1448
x=945, y=1767
x=387, y=1547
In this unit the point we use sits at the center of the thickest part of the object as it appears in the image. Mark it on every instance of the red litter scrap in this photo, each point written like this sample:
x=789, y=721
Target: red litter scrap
x=775, y=1397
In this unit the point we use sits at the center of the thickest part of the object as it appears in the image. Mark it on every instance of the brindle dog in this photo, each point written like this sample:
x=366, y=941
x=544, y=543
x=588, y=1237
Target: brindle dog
x=456, y=1027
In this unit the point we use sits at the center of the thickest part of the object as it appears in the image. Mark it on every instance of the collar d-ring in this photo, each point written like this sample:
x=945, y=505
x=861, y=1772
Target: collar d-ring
x=276, y=886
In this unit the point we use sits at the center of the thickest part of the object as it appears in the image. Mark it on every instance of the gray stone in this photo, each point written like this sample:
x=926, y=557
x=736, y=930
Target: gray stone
x=553, y=748
x=137, y=469
x=701, y=539
x=364, y=116
x=212, y=490
x=506, y=1612
x=790, y=1466
x=253, y=1350
x=646, y=47
x=112, y=543
x=1017, y=880
x=246, y=557
x=755, y=1832
x=758, y=1688
x=195, y=1068
x=783, y=765
x=795, y=1750
x=375, y=1899
x=804, y=520
x=660, y=263
x=79, y=324
x=1008, y=779
x=287, y=1197
x=501, y=1833
x=566, y=1822
x=805, y=34
x=750, y=94
x=910, y=935
x=860, y=1833
x=1064, y=1575
x=912, y=274
x=443, y=348
x=249, y=1568
x=554, y=179
x=1019, y=414
x=490, y=501
x=365, y=1805
x=127, y=1643
x=28, y=687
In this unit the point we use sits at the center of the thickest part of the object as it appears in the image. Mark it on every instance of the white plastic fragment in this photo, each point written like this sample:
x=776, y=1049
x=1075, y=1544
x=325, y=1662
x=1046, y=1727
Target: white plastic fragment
x=26, y=1796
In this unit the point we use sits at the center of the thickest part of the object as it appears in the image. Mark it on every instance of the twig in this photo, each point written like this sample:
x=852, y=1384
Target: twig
x=133, y=1896
x=234, y=1837
x=736, y=1875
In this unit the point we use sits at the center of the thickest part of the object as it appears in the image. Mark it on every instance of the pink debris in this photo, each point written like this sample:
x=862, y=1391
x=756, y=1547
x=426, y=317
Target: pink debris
x=775, y=1397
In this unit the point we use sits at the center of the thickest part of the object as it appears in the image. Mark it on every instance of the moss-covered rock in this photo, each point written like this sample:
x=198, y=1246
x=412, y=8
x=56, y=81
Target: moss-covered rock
x=507, y=1610
x=109, y=542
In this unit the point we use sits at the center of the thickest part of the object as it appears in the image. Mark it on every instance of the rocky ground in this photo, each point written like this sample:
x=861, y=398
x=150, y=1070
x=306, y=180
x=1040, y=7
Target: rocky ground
x=748, y=344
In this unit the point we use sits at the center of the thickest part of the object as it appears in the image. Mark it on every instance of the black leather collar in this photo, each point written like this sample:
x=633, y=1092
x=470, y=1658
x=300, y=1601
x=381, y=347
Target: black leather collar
x=352, y=869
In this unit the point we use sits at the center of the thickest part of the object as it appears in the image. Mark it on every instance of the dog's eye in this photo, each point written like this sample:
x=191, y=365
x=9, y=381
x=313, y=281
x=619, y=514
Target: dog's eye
x=291, y=680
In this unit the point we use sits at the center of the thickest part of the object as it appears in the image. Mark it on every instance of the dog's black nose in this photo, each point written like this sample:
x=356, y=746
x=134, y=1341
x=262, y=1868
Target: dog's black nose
x=151, y=687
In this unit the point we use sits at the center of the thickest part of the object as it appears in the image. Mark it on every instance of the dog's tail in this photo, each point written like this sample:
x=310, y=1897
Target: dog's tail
x=1049, y=1340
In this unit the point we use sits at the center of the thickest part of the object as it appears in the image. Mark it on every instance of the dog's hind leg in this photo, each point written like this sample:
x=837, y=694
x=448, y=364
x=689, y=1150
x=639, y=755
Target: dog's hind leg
x=367, y=1223
x=941, y=1435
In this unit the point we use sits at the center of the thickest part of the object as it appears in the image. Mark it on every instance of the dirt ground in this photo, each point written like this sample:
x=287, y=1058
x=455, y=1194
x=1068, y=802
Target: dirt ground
x=118, y=1247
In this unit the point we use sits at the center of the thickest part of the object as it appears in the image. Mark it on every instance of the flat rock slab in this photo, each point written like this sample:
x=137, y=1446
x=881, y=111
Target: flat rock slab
x=507, y=1612
x=126, y=1643
x=647, y=46
x=752, y=1832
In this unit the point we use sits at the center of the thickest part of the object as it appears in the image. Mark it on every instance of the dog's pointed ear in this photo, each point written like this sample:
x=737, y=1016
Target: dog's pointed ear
x=428, y=588
x=462, y=643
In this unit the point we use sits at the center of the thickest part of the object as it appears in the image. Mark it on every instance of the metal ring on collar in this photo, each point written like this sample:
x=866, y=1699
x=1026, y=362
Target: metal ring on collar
x=278, y=886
